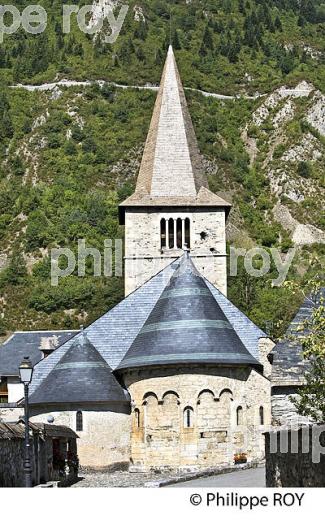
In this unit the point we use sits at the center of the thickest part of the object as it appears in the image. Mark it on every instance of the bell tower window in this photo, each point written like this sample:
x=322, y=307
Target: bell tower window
x=175, y=233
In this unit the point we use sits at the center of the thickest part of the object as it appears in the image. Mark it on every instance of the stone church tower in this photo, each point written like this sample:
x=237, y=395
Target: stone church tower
x=172, y=207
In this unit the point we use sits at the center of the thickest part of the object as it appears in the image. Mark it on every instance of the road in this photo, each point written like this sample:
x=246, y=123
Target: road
x=237, y=479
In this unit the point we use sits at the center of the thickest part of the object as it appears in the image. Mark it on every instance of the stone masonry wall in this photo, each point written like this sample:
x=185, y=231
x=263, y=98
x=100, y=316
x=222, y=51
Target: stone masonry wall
x=144, y=257
x=301, y=460
x=284, y=411
x=164, y=436
x=105, y=439
x=11, y=462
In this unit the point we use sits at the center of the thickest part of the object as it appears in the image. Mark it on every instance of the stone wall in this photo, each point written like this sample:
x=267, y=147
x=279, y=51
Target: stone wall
x=187, y=417
x=104, y=441
x=11, y=463
x=144, y=257
x=284, y=411
x=299, y=461
x=10, y=413
x=53, y=455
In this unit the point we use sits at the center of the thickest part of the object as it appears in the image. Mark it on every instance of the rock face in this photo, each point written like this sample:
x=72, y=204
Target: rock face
x=301, y=234
x=290, y=149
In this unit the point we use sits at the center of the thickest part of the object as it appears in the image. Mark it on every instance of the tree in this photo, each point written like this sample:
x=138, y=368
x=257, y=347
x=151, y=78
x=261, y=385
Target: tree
x=311, y=400
x=175, y=41
x=278, y=24
x=304, y=169
x=16, y=272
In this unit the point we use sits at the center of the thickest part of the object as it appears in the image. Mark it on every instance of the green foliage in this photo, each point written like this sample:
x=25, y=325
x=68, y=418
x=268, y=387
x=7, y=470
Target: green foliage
x=62, y=179
x=311, y=400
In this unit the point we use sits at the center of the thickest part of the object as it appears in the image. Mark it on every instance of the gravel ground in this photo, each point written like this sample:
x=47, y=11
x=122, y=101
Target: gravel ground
x=121, y=479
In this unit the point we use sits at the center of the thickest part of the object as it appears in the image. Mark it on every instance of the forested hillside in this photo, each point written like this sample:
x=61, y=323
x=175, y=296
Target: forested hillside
x=70, y=153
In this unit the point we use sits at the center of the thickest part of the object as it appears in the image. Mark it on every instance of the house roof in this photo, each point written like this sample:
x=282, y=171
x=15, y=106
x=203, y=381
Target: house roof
x=114, y=332
x=289, y=366
x=17, y=430
x=187, y=326
x=171, y=171
x=22, y=344
x=81, y=376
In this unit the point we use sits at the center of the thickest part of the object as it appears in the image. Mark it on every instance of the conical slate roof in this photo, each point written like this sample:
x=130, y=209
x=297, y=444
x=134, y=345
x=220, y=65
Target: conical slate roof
x=171, y=171
x=186, y=326
x=81, y=376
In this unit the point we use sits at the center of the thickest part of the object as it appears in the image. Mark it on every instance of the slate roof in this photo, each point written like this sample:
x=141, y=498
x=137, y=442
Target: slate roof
x=289, y=367
x=187, y=326
x=22, y=344
x=81, y=375
x=114, y=332
x=17, y=430
x=171, y=171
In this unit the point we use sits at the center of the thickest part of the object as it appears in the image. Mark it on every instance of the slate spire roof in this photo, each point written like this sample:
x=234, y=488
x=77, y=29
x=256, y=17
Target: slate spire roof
x=81, y=376
x=171, y=171
x=187, y=326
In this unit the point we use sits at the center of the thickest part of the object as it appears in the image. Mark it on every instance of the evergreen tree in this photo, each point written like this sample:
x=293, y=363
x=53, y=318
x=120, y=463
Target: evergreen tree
x=278, y=24
x=175, y=41
x=207, y=39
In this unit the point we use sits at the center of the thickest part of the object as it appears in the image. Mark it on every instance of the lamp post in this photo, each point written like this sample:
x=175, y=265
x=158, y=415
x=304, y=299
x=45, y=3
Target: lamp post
x=26, y=373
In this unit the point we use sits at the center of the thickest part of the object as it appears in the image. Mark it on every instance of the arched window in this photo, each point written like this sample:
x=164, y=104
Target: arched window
x=137, y=417
x=239, y=416
x=171, y=233
x=179, y=236
x=188, y=417
x=79, y=421
x=188, y=233
x=261, y=415
x=175, y=233
x=163, y=233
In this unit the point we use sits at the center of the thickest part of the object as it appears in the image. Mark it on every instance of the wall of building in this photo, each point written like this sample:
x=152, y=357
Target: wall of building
x=10, y=414
x=105, y=439
x=284, y=411
x=144, y=257
x=160, y=436
x=15, y=389
x=43, y=459
x=11, y=463
x=300, y=461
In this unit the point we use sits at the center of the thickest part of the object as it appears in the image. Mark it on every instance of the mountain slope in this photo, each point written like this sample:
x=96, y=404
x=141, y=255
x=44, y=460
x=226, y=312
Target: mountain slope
x=70, y=154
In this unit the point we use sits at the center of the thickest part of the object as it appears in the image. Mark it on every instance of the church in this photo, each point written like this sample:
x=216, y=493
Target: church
x=175, y=376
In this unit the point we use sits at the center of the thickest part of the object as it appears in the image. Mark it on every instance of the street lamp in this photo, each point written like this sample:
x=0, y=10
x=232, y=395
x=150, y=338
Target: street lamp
x=26, y=373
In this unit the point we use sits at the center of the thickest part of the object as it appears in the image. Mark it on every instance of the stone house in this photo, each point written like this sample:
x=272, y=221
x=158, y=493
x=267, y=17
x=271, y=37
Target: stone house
x=289, y=366
x=53, y=453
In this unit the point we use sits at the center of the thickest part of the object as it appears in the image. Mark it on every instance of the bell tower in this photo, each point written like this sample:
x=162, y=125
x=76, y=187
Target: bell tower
x=172, y=207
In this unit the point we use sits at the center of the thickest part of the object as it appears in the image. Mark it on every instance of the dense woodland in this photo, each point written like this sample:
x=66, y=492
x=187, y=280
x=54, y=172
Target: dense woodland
x=67, y=160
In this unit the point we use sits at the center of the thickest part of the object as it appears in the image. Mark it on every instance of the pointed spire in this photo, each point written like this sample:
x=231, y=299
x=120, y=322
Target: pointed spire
x=171, y=171
x=171, y=164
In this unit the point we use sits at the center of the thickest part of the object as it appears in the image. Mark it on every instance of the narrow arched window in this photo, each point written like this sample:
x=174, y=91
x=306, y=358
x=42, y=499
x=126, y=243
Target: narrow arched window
x=163, y=233
x=188, y=233
x=137, y=417
x=179, y=237
x=79, y=421
x=261, y=415
x=188, y=417
x=171, y=237
x=239, y=416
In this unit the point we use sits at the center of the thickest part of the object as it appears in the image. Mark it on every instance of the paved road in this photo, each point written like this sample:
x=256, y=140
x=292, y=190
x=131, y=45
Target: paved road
x=237, y=479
